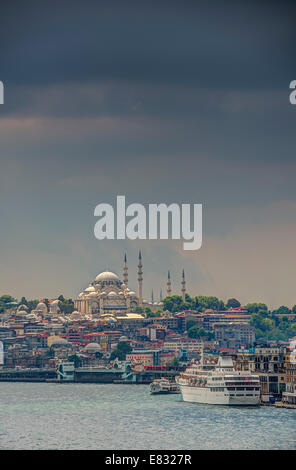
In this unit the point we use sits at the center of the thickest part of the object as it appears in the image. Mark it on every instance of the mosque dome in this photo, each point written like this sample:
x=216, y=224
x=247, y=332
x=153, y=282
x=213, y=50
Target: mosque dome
x=32, y=316
x=22, y=312
x=55, y=302
x=107, y=276
x=92, y=347
x=41, y=306
x=90, y=289
x=75, y=315
x=132, y=293
x=80, y=295
x=92, y=295
x=60, y=342
x=112, y=294
x=22, y=307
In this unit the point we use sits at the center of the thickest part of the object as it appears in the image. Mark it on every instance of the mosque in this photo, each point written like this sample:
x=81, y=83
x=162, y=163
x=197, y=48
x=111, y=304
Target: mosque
x=108, y=295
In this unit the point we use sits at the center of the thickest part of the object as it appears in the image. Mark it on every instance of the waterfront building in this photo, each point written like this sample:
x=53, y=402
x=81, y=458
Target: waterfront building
x=154, y=357
x=268, y=363
x=289, y=396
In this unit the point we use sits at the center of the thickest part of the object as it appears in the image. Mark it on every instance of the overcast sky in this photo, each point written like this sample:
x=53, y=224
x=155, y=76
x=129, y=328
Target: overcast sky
x=162, y=102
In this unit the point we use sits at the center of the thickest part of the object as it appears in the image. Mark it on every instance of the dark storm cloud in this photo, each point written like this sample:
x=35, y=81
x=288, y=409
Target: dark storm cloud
x=182, y=101
x=210, y=44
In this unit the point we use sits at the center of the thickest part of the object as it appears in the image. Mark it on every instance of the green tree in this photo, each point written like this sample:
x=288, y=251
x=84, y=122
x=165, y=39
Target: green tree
x=232, y=303
x=123, y=348
x=190, y=323
x=158, y=311
x=255, y=307
x=152, y=314
x=138, y=309
x=23, y=301
x=76, y=359
x=173, y=363
x=66, y=306
x=196, y=332
x=210, y=302
x=32, y=304
x=183, y=358
x=272, y=327
x=283, y=310
x=7, y=301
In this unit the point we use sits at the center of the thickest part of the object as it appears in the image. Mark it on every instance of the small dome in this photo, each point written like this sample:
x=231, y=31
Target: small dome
x=80, y=295
x=107, y=276
x=41, y=306
x=92, y=295
x=112, y=294
x=32, y=316
x=93, y=347
x=22, y=307
x=75, y=315
x=89, y=289
x=22, y=312
x=55, y=302
x=132, y=293
x=60, y=342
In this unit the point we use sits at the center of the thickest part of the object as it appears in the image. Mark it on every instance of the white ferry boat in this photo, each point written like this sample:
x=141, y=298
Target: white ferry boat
x=159, y=386
x=219, y=384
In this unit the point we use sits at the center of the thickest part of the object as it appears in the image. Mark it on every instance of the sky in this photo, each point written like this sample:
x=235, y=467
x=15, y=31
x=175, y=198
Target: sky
x=184, y=102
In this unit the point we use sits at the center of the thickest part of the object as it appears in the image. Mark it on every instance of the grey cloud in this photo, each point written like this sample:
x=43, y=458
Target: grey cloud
x=210, y=44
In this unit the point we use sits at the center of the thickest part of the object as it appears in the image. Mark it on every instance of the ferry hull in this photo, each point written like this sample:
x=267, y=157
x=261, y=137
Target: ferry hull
x=204, y=395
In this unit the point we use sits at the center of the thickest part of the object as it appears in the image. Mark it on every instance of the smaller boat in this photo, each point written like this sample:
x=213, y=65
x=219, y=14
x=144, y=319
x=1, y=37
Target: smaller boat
x=162, y=385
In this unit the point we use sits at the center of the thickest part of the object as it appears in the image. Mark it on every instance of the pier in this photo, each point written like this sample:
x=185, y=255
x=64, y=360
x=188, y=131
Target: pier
x=27, y=375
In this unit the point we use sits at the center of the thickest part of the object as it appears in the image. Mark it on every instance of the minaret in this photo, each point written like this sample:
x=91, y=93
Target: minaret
x=152, y=297
x=169, y=286
x=125, y=273
x=140, y=280
x=160, y=296
x=183, y=290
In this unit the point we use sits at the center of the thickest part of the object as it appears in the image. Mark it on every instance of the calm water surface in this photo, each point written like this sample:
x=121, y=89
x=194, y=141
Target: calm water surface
x=95, y=416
